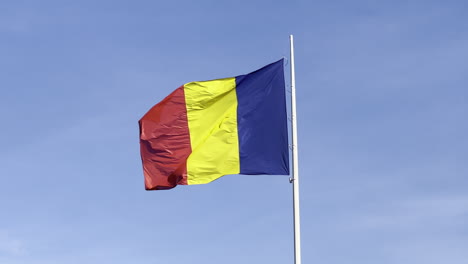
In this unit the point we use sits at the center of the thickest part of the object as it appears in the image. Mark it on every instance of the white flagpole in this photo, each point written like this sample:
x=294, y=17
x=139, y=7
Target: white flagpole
x=295, y=173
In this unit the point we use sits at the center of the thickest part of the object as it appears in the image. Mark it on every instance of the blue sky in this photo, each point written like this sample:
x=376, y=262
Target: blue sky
x=383, y=137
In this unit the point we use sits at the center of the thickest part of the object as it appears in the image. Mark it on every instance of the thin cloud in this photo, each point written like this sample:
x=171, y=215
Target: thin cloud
x=443, y=212
x=10, y=245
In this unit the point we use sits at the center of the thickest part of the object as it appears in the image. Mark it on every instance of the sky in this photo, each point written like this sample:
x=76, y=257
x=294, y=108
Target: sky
x=382, y=97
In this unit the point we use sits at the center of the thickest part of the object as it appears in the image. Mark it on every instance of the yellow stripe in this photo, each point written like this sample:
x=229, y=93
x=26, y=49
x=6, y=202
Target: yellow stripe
x=212, y=121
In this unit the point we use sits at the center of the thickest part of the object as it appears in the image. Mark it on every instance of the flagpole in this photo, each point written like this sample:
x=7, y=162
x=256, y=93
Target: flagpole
x=295, y=173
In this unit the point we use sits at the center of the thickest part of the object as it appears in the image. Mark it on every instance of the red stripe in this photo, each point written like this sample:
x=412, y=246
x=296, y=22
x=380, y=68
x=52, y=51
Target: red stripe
x=165, y=142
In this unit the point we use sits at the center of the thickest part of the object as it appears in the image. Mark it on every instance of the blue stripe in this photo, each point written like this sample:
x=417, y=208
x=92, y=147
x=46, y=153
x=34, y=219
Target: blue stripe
x=262, y=121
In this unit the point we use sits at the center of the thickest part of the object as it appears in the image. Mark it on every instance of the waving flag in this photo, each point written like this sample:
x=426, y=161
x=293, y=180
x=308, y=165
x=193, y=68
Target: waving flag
x=205, y=130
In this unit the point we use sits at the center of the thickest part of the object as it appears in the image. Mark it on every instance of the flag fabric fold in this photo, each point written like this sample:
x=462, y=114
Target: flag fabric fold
x=205, y=130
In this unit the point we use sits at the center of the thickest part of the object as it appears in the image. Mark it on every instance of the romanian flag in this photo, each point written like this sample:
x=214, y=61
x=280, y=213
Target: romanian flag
x=205, y=130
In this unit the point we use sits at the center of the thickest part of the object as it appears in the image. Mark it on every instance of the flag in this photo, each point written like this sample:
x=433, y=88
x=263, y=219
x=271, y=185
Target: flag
x=205, y=130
